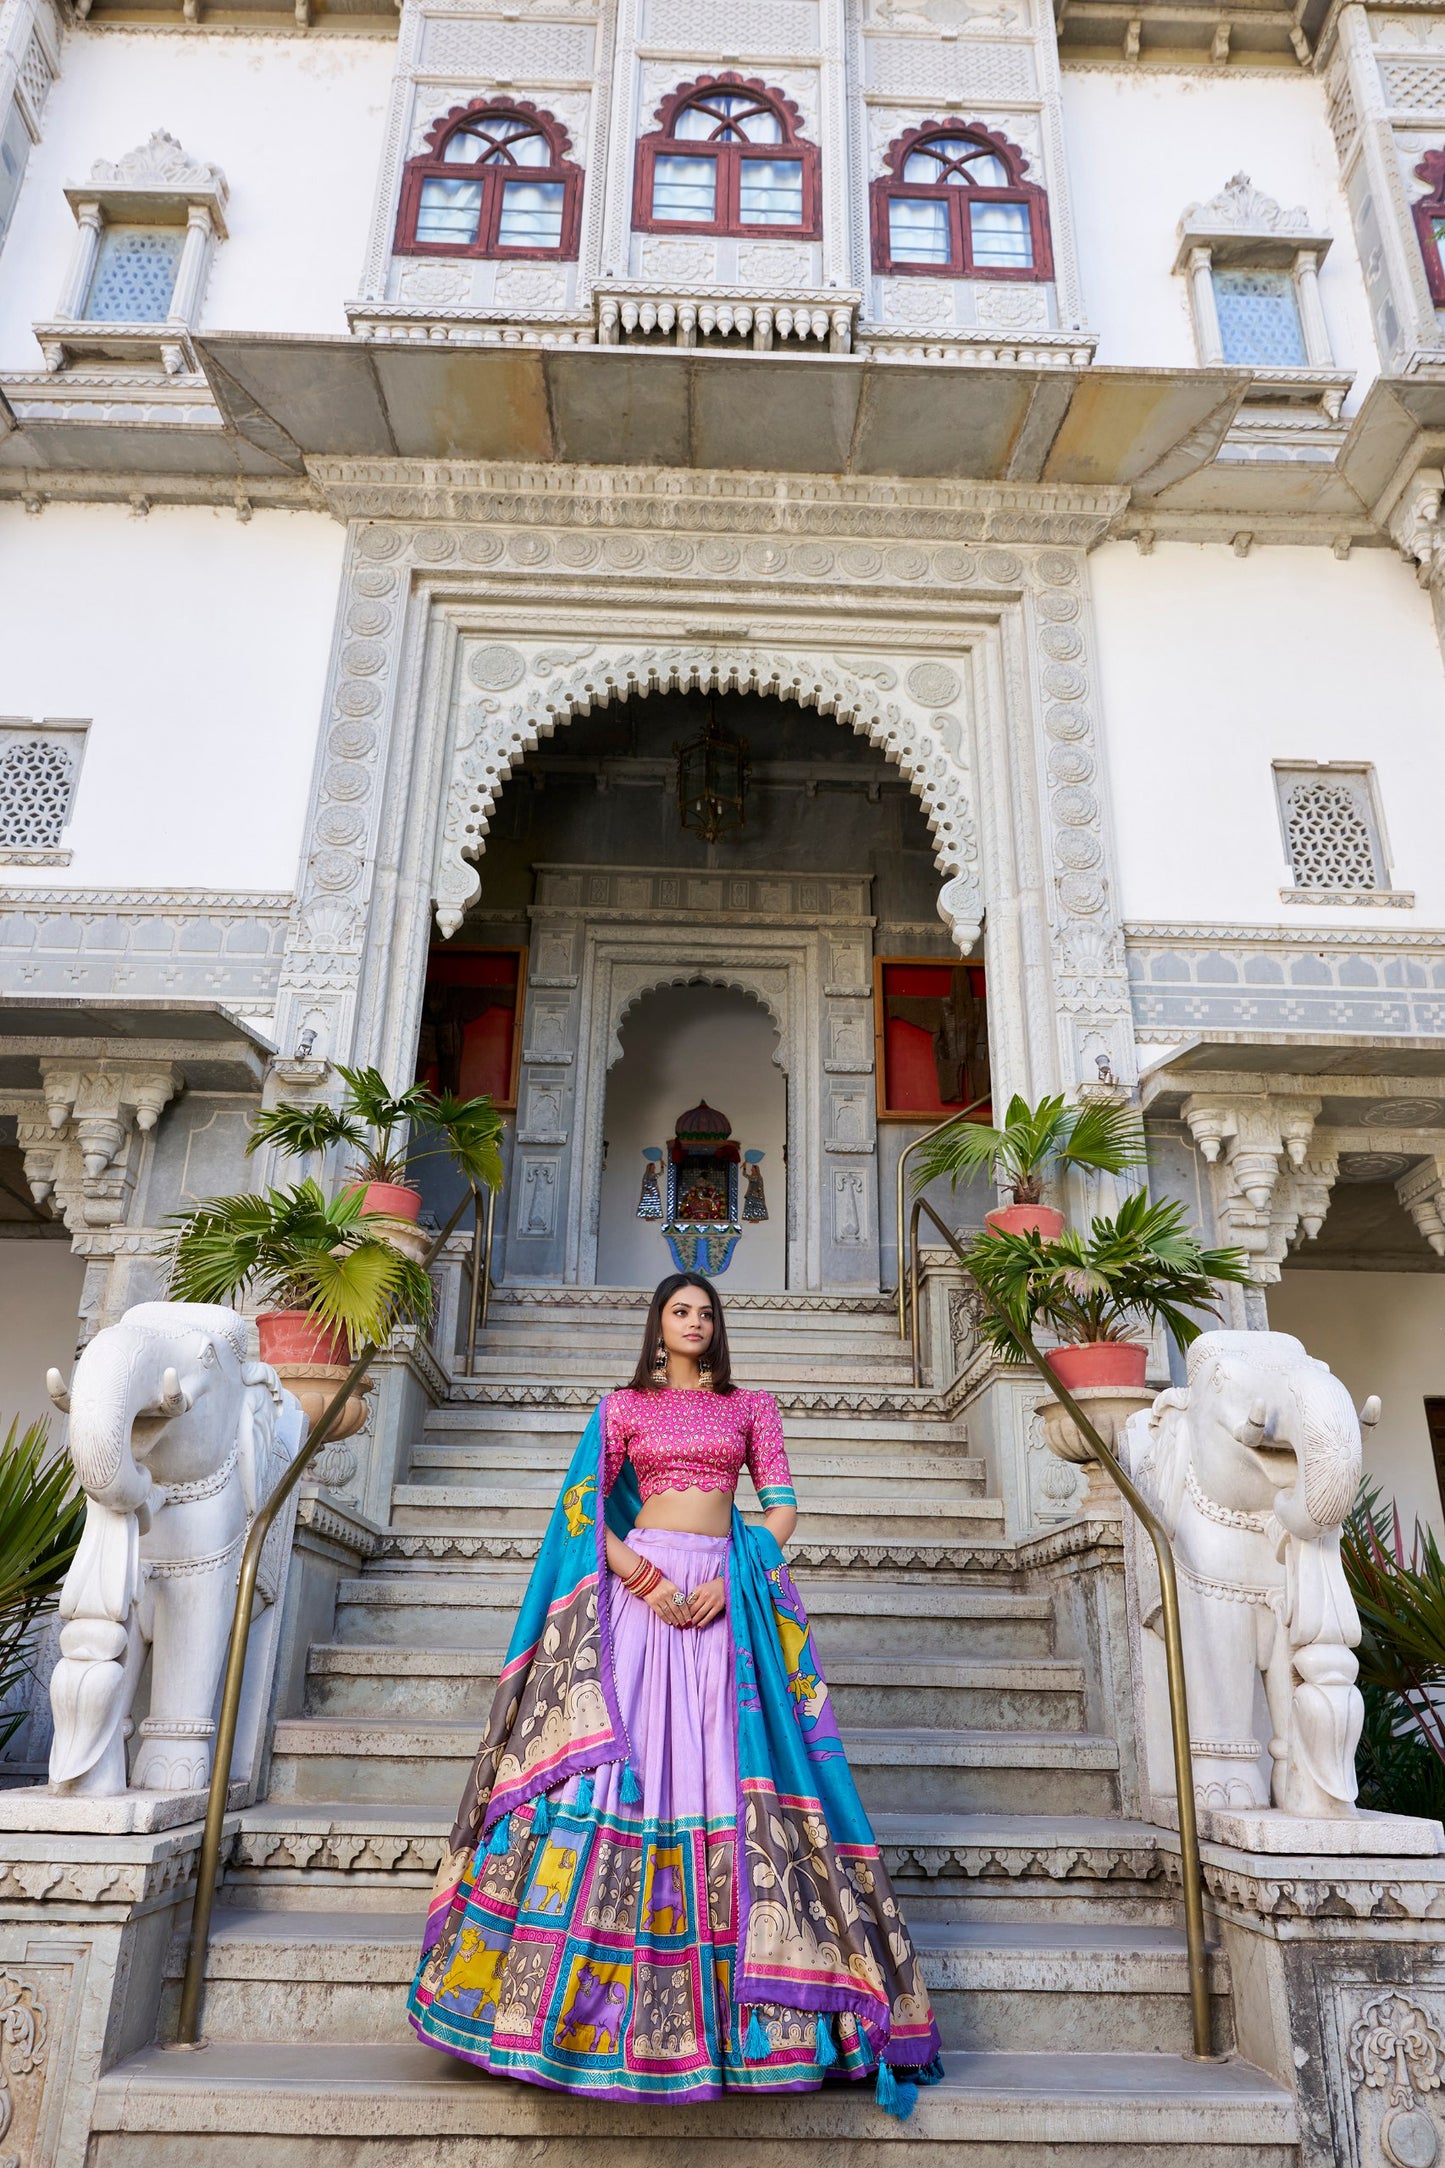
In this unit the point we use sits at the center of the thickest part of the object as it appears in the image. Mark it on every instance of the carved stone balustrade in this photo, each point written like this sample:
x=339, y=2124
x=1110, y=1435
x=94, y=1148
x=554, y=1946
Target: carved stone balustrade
x=724, y=316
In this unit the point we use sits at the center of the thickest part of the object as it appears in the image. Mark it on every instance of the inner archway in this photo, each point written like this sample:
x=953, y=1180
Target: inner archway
x=682, y=1045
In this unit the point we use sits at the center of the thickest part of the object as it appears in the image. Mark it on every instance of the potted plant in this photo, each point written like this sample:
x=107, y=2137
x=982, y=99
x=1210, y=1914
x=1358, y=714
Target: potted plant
x=1095, y=1290
x=321, y=1265
x=1033, y=1144
x=368, y=1121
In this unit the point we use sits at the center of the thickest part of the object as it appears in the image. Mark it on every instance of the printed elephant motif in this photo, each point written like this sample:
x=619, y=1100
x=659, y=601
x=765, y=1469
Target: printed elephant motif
x=554, y=1875
x=666, y=1899
x=596, y=2006
x=574, y=1506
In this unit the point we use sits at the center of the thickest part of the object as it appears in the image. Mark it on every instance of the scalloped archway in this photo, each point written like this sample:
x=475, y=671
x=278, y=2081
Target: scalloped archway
x=525, y=694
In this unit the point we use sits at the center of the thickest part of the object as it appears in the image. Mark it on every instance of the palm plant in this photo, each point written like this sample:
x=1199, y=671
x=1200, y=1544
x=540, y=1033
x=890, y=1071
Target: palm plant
x=297, y=1249
x=1033, y=1143
x=41, y=1516
x=368, y=1121
x=1399, y=1592
x=1139, y=1267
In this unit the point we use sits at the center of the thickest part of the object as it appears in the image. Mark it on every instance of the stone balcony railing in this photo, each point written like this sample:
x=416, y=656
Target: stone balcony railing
x=658, y=315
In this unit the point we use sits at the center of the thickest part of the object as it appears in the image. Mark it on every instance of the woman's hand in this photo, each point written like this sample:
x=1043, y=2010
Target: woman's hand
x=707, y=1602
x=669, y=1602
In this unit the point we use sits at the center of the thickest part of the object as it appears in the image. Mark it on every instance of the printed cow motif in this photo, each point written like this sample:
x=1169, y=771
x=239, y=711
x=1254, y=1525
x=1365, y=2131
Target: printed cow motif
x=665, y=1901
x=553, y=1882
x=594, y=2008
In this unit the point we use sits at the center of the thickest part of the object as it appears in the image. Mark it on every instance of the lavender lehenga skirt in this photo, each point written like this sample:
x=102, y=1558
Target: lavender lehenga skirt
x=598, y=1950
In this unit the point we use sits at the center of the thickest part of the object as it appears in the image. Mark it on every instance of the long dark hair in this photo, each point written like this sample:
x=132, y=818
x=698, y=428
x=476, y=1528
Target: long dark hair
x=644, y=1377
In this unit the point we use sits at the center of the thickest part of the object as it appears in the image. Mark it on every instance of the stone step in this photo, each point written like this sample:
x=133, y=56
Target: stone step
x=1046, y=1694
x=326, y=2105
x=751, y=1333
x=362, y=1855
x=537, y=1361
x=750, y=1308
x=342, y=1976
x=420, y=1608
x=851, y=1548
x=870, y=1472
x=894, y=1514
x=459, y=1419
x=896, y=1766
x=828, y=1399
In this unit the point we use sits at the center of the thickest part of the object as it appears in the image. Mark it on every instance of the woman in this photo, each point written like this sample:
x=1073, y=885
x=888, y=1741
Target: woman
x=661, y=1884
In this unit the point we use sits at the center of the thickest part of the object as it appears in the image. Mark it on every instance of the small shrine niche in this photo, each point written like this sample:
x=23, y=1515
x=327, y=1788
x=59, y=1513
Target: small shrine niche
x=704, y=1189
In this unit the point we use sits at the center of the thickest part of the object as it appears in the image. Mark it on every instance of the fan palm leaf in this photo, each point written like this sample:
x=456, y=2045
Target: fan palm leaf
x=1099, y=1133
x=41, y=1517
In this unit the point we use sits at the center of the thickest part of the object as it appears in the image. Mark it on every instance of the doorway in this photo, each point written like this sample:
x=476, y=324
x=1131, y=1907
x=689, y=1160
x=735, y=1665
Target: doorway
x=686, y=1048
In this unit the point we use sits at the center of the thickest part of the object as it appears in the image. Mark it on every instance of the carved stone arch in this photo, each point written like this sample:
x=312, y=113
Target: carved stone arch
x=765, y=987
x=896, y=706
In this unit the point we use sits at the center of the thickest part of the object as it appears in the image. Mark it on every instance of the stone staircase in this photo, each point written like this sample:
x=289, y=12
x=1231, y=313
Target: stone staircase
x=1048, y=1922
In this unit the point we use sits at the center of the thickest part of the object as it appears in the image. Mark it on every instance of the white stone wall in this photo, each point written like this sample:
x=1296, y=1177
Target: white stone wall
x=296, y=126
x=40, y=1286
x=1380, y=1332
x=197, y=646
x=1142, y=146
x=1213, y=666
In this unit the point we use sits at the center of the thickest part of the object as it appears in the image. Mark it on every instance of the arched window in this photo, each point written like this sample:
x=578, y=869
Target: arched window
x=1429, y=215
x=727, y=157
x=953, y=203
x=494, y=180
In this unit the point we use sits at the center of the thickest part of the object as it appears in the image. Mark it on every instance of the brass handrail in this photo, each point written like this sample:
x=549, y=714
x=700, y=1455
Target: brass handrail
x=188, y=2028
x=1190, y=1870
x=481, y=1278
x=903, y=1158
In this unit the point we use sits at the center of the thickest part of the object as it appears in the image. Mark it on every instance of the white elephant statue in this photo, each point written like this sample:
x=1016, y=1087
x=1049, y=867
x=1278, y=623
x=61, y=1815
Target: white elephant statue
x=1252, y=1466
x=176, y=1441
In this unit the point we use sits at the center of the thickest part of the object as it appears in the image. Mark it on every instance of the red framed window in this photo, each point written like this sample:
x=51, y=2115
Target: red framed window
x=953, y=203
x=494, y=180
x=471, y=1030
x=728, y=156
x=1429, y=216
x=930, y=1028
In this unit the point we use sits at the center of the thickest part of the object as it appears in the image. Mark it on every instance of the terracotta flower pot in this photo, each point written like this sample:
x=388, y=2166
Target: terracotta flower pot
x=289, y=1337
x=1099, y=1362
x=396, y=1199
x=1026, y=1219
x=311, y=1364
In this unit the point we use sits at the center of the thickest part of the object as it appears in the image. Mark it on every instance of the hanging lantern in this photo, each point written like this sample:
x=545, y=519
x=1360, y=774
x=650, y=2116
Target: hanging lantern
x=712, y=781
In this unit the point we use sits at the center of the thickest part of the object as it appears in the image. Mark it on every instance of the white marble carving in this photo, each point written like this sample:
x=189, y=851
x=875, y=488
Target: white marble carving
x=176, y=1440
x=1253, y=1465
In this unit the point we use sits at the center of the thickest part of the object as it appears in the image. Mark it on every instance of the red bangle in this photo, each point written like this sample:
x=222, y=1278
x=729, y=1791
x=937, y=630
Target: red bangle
x=645, y=1579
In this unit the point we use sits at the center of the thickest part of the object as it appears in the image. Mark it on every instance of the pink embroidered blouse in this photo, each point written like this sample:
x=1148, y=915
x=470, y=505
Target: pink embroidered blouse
x=679, y=1440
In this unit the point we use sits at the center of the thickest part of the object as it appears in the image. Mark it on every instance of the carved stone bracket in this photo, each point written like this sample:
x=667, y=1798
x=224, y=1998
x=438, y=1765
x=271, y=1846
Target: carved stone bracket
x=1267, y=1184
x=1422, y=1193
x=84, y=1148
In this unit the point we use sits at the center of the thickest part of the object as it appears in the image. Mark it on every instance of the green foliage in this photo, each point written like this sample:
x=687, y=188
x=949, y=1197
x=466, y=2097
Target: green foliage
x=1034, y=1142
x=297, y=1249
x=367, y=1123
x=1399, y=1592
x=41, y=1516
x=1127, y=1272
x=1398, y=1772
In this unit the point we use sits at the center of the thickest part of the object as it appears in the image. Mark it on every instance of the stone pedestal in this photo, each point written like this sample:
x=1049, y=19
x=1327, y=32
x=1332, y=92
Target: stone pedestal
x=1108, y=1408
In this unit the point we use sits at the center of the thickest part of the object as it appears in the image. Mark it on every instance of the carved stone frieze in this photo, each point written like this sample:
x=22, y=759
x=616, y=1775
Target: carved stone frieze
x=24, y=2042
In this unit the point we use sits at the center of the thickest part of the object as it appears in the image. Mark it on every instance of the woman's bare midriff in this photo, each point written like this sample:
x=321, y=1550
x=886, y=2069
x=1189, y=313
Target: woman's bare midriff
x=690, y=1512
